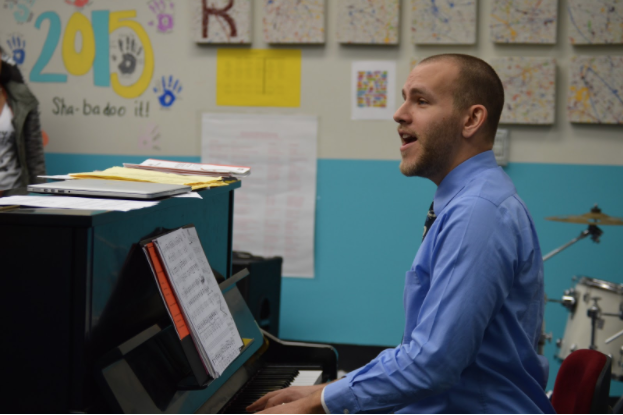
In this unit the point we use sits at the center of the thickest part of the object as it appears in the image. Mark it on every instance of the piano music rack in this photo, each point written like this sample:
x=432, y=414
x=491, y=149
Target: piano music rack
x=150, y=372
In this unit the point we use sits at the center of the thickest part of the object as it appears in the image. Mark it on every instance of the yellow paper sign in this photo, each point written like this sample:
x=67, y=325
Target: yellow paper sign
x=258, y=77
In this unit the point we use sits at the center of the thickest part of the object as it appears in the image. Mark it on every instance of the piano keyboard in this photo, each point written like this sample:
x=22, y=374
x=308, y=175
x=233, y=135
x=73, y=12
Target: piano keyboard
x=307, y=378
x=269, y=379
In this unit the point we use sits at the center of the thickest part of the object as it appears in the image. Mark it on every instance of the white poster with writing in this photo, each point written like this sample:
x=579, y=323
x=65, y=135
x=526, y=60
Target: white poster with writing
x=275, y=207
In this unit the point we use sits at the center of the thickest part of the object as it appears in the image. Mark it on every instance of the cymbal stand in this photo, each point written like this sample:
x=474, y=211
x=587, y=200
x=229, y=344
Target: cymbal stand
x=593, y=231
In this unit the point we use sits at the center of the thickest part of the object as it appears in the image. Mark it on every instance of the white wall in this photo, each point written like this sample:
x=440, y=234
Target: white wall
x=325, y=90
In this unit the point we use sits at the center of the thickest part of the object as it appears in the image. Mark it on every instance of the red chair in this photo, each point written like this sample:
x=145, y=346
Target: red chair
x=583, y=383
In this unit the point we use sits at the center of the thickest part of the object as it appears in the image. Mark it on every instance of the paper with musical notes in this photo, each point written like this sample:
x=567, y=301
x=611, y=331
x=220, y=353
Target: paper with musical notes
x=211, y=323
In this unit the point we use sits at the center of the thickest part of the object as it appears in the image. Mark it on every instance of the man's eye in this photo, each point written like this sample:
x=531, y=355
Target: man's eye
x=422, y=101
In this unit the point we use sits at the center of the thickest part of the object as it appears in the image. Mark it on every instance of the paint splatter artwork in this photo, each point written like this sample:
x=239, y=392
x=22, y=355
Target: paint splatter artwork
x=595, y=21
x=222, y=21
x=524, y=21
x=449, y=22
x=368, y=22
x=595, y=93
x=529, y=89
x=294, y=21
x=372, y=89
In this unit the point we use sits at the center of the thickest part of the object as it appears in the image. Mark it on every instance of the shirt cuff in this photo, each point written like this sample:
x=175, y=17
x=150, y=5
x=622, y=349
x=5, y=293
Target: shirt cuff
x=338, y=398
x=324, y=405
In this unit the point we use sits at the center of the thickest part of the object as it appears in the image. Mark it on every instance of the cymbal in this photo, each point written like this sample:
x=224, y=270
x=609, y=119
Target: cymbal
x=595, y=217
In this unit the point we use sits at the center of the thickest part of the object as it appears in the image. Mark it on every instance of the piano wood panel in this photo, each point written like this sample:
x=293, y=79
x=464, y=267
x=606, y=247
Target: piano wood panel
x=84, y=288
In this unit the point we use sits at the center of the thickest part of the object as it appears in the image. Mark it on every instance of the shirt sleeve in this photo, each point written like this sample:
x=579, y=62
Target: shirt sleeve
x=473, y=255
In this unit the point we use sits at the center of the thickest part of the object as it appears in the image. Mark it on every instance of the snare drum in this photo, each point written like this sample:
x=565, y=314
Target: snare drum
x=578, y=330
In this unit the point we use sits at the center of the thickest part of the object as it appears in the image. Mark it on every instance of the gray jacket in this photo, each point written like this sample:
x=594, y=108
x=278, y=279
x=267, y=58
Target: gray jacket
x=27, y=132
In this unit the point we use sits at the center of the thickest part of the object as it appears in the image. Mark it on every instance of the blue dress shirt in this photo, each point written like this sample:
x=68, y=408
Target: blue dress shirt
x=474, y=307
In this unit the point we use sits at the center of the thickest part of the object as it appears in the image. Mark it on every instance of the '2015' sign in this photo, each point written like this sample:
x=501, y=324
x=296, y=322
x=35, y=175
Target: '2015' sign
x=95, y=49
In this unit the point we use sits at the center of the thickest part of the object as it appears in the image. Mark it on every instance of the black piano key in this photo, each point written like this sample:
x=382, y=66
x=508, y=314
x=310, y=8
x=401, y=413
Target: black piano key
x=267, y=379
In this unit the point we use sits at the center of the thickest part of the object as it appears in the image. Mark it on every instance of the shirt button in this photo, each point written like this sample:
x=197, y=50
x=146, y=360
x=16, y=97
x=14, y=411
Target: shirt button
x=346, y=411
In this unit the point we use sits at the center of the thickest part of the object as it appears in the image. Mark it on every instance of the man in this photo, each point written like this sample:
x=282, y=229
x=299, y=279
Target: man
x=474, y=295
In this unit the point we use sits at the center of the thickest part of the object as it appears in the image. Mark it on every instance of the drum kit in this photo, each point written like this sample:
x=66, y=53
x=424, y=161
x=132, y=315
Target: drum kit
x=595, y=306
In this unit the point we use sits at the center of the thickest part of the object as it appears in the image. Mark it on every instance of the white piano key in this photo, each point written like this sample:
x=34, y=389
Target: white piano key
x=307, y=378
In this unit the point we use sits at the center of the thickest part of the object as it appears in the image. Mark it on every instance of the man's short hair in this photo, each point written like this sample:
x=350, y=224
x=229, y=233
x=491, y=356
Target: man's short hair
x=478, y=83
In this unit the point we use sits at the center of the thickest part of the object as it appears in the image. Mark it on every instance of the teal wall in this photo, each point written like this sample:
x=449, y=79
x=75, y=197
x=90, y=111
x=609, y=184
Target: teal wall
x=369, y=222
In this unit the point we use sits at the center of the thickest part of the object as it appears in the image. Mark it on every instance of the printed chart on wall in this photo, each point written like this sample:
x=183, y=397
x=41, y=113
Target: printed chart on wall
x=274, y=211
x=258, y=77
x=373, y=93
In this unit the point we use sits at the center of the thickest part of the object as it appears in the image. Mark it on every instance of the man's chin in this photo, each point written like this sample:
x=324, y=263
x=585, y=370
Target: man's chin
x=409, y=170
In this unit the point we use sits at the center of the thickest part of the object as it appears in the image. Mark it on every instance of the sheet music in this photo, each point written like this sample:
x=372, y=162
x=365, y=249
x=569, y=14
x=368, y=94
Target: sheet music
x=199, y=295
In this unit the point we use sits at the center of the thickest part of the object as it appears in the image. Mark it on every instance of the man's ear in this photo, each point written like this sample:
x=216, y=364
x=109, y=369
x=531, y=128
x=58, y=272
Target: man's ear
x=474, y=120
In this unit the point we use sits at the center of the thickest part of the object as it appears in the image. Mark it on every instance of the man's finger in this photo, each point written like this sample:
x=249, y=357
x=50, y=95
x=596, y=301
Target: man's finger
x=261, y=403
x=279, y=409
x=276, y=400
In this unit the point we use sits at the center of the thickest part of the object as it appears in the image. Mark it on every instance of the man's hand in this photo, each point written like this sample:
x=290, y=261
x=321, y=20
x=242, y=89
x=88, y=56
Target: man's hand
x=310, y=404
x=287, y=395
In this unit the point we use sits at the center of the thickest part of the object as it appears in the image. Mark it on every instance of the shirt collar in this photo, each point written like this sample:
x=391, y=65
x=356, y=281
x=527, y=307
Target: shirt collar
x=460, y=176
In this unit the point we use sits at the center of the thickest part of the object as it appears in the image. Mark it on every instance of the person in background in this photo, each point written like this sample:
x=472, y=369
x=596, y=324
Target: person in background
x=21, y=144
x=473, y=297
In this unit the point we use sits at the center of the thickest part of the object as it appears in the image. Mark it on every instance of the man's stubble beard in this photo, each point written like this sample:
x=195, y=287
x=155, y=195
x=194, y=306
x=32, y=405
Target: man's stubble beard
x=437, y=150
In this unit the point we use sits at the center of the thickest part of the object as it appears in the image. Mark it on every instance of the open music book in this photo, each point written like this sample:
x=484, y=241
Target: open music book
x=194, y=300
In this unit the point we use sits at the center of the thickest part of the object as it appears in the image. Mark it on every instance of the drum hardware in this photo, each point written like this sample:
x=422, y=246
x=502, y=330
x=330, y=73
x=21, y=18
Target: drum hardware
x=569, y=300
x=619, y=334
x=613, y=338
x=619, y=314
x=592, y=219
x=594, y=232
x=577, y=300
x=593, y=313
x=595, y=299
x=544, y=337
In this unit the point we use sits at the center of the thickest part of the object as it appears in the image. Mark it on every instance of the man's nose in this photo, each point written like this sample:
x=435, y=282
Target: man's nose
x=400, y=116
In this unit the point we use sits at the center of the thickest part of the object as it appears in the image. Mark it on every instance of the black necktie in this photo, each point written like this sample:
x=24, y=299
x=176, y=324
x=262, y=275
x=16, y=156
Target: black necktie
x=430, y=218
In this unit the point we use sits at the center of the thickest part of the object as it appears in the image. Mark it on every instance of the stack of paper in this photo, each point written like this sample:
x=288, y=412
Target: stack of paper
x=123, y=173
x=199, y=169
x=204, y=310
x=73, y=202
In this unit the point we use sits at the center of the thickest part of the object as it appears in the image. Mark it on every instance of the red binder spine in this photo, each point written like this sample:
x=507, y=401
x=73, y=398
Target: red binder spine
x=196, y=363
x=165, y=288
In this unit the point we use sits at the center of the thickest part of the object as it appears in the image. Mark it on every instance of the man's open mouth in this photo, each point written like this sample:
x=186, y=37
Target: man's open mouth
x=406, y=138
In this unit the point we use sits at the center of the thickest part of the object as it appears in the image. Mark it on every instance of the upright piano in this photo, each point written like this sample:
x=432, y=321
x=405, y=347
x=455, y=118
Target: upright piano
x=85, y=328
